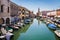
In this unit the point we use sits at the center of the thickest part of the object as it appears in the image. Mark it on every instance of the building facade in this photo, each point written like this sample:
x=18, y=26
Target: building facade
x=51, y=13
x=5, y=9
x=8, y=10
x=14, y=9
x=44, y=13
x=31, y=14
x=23, y=12
x=58, y=12
x=39, y=13
x=0, y=6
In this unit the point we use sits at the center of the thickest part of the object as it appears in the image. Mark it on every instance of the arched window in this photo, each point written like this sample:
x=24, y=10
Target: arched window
x=23, y=17
x=1, y=20
x=7, y=21
x=2, y=8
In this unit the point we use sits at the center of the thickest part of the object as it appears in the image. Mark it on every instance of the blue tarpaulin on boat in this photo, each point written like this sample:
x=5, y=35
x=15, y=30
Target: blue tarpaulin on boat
x=52, y=26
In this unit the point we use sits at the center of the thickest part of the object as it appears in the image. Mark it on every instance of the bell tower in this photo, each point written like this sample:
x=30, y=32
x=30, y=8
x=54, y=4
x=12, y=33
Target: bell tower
x=38, y=13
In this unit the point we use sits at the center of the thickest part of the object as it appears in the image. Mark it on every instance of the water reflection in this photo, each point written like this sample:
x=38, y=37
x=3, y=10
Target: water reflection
x=57, y=38
x=37, y=31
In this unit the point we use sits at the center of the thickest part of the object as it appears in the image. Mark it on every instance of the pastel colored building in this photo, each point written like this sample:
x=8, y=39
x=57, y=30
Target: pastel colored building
x=5, y=9
x=58, y=12
x=51, y=13
x=23, y=12
x=14, y=9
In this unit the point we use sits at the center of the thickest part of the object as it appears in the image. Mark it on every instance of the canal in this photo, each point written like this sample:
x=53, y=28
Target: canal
x=37, y=31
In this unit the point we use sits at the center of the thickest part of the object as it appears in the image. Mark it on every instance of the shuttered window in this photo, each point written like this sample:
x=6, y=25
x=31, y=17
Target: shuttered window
x=8, y=10
x=1, y=8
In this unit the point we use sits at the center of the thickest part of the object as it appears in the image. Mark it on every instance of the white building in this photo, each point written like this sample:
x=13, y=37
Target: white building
x=51, y=13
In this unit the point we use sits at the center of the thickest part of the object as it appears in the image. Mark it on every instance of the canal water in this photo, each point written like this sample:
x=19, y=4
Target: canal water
x=37, y=31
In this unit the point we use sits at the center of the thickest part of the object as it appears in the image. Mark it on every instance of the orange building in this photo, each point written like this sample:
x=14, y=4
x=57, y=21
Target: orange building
x=23, y=12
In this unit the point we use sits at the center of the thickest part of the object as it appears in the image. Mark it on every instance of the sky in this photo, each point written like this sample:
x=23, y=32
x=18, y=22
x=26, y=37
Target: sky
x=33, y=5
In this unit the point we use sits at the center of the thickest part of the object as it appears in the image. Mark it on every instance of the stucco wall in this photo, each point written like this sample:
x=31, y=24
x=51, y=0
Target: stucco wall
x=5, y=13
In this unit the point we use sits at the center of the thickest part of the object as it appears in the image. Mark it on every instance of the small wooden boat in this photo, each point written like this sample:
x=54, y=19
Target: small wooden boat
x=14, y=27
x=20, y=24
x=55, y=23
x=47, y=22
x=7, y=27
x=9, y=35
x=58, y=25
x=4, y=31
x=52, y=26
x=2, y=37
x=27, y=21
x=57, y=32
x=6, y=34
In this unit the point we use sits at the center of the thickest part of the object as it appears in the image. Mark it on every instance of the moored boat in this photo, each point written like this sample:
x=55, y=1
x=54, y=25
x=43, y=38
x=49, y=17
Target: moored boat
x=52, y=26
x=47, y=23
x=57, y=32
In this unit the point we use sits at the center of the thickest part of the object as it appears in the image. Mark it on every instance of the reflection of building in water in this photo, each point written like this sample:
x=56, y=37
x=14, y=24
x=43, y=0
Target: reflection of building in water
x=38, y=22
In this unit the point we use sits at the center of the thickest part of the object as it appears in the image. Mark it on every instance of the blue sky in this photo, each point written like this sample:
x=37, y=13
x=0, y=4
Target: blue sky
x=33, y=5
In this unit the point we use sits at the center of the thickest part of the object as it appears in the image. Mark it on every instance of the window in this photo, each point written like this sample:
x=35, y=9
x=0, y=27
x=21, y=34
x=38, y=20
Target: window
x=23, y=13
x=8, y=0
x=23, y=10
x=8, y=10
x=1, y=8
